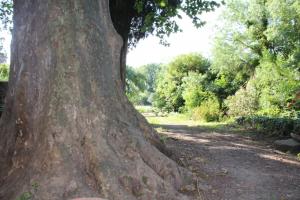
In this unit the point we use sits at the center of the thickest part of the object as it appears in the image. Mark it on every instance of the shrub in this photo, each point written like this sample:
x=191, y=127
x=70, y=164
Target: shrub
x=194, y=93
x=175, y=79
x=271, y=125
x=208, y=111
x=276, y=85
x=4, y=72
x=243, y=103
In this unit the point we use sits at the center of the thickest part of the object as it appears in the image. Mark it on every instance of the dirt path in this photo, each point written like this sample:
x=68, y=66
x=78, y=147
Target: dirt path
x=234, y=167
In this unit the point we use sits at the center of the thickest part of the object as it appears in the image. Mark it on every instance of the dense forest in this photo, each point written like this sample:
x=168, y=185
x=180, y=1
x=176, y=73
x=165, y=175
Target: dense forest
x=252, y=76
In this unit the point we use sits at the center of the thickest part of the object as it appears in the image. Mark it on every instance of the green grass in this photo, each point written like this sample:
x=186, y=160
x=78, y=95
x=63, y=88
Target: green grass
x=144, y=109
x=184, y=119
x=172, y=118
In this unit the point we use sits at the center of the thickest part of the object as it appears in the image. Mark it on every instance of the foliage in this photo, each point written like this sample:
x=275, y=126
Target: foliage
x=183, y=64
x=256, y=55
x=276, y=85
x=135, y=86
x=193, y=93
x=6, y=10
x=208, y=111
x=243, y=103
x=251, y=30
x=285, y=29
x=271, y=125
x=140, y=83
x=236, y=53
x=267, y=93
x=173, y=80
x=150, y=71
x=158, y=16
x=4, y=72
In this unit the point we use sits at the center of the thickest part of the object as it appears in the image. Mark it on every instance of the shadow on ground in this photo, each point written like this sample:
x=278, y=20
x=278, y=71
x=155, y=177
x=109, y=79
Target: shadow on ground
x=235, y=166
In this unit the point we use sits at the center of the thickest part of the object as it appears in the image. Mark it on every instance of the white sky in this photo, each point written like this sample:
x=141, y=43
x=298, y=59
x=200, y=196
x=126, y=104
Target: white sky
x=6, y=43
x=190, y=40
x=150, y=51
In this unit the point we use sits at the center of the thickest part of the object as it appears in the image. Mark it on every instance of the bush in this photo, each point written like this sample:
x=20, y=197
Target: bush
x=243, y=103
x=270, y=125
x=175, y=79
x=193, y=92
x=4, y=72
x=208, y=111
x=276, y=85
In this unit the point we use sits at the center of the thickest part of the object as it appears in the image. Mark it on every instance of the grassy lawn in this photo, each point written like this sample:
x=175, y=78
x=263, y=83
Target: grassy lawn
x=159, y=121
x=144, y=109
x=181, y=119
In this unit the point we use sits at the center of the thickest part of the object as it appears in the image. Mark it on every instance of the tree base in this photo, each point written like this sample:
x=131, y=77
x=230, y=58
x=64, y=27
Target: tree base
x=68, y=130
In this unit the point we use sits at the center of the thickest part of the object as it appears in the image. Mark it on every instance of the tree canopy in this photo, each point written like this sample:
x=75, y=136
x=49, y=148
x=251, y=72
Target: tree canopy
x=254, y=68
x=158, y=16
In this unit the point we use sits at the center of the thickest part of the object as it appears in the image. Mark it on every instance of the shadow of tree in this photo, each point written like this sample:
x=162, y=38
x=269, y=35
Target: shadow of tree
x=239, y=166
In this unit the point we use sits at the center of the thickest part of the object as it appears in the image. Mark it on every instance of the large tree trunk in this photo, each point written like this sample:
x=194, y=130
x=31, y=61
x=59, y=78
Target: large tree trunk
x=68, y=128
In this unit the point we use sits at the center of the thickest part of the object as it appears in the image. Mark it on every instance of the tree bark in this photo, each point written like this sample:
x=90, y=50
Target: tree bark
x=68, y=128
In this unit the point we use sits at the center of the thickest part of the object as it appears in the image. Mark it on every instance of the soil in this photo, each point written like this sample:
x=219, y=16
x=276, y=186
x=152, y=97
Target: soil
x=230, y=166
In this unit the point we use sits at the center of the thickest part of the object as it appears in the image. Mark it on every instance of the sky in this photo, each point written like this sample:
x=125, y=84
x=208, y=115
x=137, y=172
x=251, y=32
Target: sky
x=6, y=43
x=190, y=40
x=150, y=51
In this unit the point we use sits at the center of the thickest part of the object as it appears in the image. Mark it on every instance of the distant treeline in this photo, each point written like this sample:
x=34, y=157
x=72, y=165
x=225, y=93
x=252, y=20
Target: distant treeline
x=254, y=70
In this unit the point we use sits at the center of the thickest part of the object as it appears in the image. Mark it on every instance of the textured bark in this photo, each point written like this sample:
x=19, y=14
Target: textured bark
x=68, y=127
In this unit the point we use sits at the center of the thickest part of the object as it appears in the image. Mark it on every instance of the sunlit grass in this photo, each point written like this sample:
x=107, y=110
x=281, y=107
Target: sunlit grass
x=184, y=119
x=171, y=118
x=143, y=109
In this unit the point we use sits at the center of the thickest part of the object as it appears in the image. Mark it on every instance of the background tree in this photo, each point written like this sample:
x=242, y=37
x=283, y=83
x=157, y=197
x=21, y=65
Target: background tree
x=141, y=82
x=257, y=50
x=150, y=71
x=170, y=84
x=135, y=86
x=6, y=10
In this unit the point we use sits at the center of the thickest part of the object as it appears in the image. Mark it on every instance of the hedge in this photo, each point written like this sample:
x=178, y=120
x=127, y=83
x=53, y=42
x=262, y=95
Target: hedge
x=271, y=125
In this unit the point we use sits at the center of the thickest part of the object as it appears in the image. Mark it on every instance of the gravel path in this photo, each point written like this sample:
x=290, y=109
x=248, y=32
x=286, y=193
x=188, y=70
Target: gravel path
x=233, y=167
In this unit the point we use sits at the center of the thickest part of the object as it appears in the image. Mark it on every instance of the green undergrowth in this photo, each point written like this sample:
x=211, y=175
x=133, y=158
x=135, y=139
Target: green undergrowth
x=162, y=123
x=272, y=126
x=256, y=127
